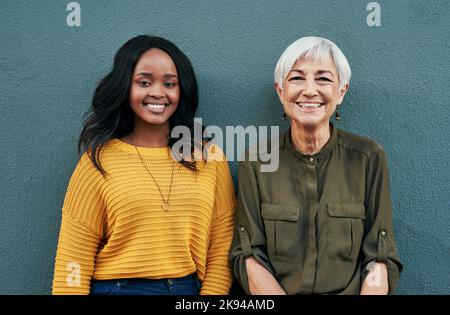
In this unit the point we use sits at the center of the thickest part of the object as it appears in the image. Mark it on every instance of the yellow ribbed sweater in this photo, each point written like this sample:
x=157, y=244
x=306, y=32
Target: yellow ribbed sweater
x=113, y=227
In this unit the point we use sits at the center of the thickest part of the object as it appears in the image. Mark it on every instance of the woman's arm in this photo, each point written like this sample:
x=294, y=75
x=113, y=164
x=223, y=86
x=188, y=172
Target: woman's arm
x=249, y=249
x=260, y=280
x=81, y=231
x=75, y=258
x=376, y=282
x=379, y=252
x=218, y=277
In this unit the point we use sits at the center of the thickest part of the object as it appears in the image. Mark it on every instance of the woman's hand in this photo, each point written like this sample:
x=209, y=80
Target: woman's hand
x=261, y=281
x=376, y=282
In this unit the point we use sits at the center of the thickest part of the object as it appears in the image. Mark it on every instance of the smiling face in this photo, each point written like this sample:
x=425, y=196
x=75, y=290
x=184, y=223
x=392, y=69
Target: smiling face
x=311, y=92
x=154, y=91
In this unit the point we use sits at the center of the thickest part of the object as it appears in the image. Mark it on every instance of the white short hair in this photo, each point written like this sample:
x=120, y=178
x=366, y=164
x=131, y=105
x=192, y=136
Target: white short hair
x=316, y=48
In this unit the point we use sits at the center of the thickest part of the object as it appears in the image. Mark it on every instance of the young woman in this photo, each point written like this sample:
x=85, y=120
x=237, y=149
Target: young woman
x=134, y=220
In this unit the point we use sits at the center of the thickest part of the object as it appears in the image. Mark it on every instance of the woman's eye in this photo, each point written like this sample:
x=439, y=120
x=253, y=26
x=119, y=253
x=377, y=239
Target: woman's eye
x=169, y=84
x=325, y=79
x=296, y=78
x=144, y=83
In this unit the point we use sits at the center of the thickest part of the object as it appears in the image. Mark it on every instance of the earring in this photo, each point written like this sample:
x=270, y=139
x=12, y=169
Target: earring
x=337, y=115
x=283, y=116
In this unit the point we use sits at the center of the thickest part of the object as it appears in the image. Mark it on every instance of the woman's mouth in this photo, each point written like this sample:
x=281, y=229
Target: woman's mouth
x=155, y=108
x=309, y=105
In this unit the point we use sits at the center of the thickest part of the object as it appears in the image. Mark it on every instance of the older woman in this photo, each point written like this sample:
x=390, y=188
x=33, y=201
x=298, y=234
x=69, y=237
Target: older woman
x=322, y=222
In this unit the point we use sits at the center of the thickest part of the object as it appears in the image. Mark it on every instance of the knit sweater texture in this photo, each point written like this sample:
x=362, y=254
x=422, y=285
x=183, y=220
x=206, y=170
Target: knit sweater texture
x=113, y=226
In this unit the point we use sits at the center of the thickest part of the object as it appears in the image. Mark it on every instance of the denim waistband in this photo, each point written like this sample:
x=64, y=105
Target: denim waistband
x=187, y=285
x=192, y=276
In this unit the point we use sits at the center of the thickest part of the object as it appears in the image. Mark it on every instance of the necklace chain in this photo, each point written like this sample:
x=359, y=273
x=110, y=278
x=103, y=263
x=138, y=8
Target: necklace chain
x=166, y=204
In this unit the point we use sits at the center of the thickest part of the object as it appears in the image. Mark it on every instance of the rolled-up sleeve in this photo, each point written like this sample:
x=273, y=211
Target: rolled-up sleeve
x=249, y=236
x=379, y=243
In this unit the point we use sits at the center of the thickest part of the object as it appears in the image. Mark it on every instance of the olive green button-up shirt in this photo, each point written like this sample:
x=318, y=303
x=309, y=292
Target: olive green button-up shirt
x=318, y=221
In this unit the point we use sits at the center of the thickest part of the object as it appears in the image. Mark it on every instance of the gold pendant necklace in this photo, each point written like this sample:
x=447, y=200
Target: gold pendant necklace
x=166, y=206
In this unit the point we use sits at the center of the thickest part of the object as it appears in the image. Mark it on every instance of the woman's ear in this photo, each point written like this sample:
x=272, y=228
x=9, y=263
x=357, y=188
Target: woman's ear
x=281, y=98
x=279, y=90
x=342, y=92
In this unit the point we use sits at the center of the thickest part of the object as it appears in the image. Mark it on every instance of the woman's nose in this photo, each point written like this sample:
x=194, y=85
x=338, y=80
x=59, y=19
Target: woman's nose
x=156, y=91
x=310, y=88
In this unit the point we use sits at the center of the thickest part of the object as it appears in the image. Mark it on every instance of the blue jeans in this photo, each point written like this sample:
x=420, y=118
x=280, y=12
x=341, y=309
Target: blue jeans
x=188, y=285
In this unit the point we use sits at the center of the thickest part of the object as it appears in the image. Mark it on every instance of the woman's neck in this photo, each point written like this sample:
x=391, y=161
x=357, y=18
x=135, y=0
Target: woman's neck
x=148, y=136
x=308, y=140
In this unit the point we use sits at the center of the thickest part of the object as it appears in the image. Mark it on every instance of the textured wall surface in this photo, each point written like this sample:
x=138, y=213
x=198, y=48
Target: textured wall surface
x=399, y=96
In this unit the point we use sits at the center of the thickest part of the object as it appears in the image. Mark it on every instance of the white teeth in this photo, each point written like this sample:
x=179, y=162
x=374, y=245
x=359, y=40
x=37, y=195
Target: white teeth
x=310, y=105
x=155, y=106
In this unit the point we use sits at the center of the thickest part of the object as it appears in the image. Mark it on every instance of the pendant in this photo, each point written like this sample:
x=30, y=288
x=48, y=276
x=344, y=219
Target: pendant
x=165, y=206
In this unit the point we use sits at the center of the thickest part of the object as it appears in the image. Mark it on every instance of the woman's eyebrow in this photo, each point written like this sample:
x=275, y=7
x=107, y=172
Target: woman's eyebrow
x=144, y=74
x=324, y=71
x=149, y=75
x=317, y=72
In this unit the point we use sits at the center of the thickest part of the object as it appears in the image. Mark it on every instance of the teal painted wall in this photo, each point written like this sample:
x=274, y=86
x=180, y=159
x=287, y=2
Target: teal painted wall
x=399, y=96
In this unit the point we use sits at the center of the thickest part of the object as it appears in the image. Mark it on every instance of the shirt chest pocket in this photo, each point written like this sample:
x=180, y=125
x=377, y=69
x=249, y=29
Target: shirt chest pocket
x=345, y=230
x=282, y=231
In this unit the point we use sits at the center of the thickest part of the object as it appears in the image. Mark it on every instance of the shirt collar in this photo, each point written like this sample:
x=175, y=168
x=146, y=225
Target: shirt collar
x=321, y=155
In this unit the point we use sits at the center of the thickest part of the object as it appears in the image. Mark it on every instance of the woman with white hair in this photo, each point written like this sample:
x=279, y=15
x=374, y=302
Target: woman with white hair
x=322, y=222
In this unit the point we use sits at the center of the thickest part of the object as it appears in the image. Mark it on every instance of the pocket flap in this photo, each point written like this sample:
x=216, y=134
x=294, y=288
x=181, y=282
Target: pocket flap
x=347, y=210
x=279, y=212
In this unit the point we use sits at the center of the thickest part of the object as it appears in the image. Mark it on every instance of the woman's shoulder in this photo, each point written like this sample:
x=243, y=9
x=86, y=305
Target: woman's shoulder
x=358, y=143
x=85, y=171
x=111, y=149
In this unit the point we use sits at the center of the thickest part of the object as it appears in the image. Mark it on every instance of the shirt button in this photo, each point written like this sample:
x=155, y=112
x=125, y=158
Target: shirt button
x=311, y=159
x=383, y=233
x=170, y=282
x=242, y=229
